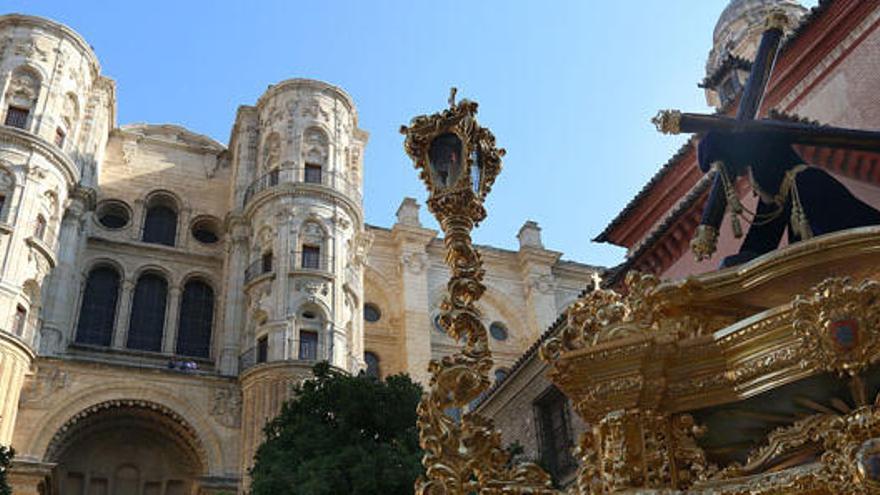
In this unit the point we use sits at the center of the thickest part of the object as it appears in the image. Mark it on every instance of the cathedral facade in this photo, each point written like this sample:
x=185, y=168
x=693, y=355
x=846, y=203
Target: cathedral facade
x=162, y=292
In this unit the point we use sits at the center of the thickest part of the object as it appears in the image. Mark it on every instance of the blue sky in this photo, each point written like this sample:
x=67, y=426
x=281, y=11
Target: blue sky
x=568, y=87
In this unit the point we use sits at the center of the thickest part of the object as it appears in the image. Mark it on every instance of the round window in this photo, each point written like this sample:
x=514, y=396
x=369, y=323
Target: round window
x=498, y=331
x=372, y=313
x=206, y=230
x=113, y=214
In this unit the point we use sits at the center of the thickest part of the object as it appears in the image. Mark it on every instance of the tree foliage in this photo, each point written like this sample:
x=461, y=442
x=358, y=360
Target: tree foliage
x=342, y=434
x=6, y=455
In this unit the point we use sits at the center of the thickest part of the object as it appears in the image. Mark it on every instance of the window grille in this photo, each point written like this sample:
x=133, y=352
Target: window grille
x=311, y=257
x=312, y=174
x=17, y=117
x=308, y=345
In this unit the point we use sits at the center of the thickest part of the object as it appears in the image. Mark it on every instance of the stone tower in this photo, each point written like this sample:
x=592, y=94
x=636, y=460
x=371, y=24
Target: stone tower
x=734, y=44
x=297, y=242
x=56, y=111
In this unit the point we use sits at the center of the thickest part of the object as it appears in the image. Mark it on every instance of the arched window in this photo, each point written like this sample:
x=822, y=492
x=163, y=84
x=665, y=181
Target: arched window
x=148, y=313
x=7, y=186
x=40, y=227
x=97, y=313
x=160, y=223
x=372, y=361
x=196, y=319
x=311, y=323
x=316, y=150
x=311, y=247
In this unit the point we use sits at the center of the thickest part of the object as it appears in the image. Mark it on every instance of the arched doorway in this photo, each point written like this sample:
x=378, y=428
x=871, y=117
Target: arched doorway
x=125, y=448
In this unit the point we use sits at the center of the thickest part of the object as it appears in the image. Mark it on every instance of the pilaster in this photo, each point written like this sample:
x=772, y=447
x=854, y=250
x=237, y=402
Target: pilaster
x=234, y=307
x=169, y=338
x=120, y=333
x=536, y=268
x=412, y=241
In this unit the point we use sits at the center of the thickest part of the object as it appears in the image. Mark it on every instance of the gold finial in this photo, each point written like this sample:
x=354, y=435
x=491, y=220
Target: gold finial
x=452, y=92
x=776, y=19
x=668, y=121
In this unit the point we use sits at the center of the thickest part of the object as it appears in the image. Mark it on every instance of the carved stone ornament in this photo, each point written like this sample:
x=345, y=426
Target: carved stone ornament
x=313, y=287
x=839, y=323
x=415, y=263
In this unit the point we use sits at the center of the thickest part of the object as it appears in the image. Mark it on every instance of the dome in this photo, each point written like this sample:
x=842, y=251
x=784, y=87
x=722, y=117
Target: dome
x=738, y=30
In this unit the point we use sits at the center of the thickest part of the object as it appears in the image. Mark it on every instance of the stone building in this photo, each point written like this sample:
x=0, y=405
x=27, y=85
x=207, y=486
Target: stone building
x=161, y=292
x=827, y=70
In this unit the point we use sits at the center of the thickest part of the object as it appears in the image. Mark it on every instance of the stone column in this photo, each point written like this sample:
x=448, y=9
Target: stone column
x=412, y=242
x=15, y=361
x=172, y=313
x=123, y=313
x=29, y=477
x=59, y=299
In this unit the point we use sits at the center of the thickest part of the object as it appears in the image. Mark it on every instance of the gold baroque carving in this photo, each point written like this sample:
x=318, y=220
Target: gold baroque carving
x=848, y=453
x=641, y=449
x=838, y=324
x=604, y=315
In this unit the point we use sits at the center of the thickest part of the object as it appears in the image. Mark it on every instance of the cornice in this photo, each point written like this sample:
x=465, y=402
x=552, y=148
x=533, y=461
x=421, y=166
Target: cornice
x=10, y=341
x=199, y=143
x=313, y=84
x=302, y=189
x=71, y=35
x=49, y=151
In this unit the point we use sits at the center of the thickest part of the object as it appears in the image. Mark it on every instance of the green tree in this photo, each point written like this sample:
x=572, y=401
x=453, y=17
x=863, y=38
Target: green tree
x=6, y=455
x=342, y=434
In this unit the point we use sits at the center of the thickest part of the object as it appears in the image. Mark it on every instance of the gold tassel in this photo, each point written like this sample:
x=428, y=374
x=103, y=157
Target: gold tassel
x=733, y=203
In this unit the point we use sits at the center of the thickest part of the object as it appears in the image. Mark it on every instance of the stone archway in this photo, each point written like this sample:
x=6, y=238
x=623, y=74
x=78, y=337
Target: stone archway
x=125, y=447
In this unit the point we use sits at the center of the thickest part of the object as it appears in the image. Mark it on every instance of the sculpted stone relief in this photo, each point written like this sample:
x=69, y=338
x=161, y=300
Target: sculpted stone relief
x=226, y=406
x=315, y=146
x=47, y=382
x=24, y=87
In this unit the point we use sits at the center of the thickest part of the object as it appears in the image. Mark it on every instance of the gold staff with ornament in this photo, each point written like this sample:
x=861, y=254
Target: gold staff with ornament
x=458, y=161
